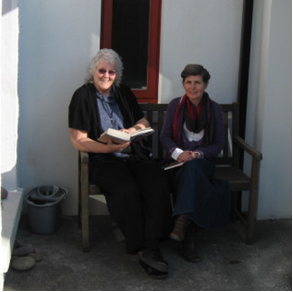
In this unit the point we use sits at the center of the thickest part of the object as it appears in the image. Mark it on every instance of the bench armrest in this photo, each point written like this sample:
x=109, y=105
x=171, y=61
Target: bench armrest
x=246, y=147
x=84, y=157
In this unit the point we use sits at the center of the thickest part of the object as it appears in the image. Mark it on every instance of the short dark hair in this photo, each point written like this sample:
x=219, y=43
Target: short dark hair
x=196, y=69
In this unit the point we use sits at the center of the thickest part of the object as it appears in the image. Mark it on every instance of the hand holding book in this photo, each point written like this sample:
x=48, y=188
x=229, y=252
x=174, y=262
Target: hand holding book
x=183, y=157
x=118, y=136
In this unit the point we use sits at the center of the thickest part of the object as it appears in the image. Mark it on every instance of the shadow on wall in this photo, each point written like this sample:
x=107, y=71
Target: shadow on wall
x=8, y=5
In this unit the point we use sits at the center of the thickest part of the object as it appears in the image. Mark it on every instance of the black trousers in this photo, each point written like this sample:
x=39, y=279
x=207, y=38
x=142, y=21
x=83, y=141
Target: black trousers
x=138, y=198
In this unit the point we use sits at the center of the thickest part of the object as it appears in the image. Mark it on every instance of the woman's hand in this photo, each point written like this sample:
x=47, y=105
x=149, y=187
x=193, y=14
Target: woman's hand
x=141, y=124
x=187, y=156
x=114, y=147
x=81, y=142
x=129, y=130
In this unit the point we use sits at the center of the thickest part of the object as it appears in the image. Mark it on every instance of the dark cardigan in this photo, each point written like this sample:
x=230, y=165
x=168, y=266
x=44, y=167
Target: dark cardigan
x=83, y=114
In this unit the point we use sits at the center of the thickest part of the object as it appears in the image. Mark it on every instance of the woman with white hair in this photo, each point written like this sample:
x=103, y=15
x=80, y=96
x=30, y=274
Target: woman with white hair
x=134, y=185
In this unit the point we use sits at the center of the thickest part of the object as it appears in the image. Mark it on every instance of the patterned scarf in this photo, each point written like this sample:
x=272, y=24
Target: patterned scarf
x=196, y=118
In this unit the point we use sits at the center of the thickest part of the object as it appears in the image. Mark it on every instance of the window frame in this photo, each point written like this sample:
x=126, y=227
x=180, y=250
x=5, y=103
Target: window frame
x=151, y=93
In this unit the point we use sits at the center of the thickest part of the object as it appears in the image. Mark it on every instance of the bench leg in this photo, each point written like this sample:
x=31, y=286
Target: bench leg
x=234, y=205
x=251, y=217
x=84, y=210
x=253, y=202
x=85, y=223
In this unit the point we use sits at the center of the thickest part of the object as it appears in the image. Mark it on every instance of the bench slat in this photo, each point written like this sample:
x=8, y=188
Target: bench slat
x=238, y=180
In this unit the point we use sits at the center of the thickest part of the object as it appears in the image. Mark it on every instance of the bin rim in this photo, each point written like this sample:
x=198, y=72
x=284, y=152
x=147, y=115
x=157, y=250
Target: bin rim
x=47, y=204
x=55, y=190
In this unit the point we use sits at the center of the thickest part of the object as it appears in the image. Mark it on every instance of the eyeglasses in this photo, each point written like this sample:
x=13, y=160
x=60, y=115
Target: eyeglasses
x=104, y=71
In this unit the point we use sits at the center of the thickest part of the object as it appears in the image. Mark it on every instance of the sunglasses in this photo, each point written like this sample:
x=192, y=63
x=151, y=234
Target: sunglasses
x=104, y=71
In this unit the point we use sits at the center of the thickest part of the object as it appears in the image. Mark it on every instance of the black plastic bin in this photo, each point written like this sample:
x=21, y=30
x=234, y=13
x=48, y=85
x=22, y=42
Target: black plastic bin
x=45, y=208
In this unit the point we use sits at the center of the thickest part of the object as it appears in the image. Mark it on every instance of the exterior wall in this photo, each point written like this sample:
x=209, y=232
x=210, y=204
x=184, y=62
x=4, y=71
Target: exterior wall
x=58, y=38
x=203, y=32
x=269, y=124
x=9, y=95
x=8, y=125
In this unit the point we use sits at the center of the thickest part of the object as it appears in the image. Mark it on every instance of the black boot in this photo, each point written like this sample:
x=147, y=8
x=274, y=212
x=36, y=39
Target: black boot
x=180, y=226
x=188, y=245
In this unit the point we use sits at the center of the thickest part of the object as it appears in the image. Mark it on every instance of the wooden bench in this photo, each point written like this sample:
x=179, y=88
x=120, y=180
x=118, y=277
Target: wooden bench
x=227, y=168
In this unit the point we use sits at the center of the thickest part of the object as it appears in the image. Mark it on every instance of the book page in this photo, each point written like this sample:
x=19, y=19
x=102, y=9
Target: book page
x=119, y=137
x=143, y=132
x=116, y=136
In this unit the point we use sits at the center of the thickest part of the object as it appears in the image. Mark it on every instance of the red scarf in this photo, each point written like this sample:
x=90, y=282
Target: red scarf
x=199, y=114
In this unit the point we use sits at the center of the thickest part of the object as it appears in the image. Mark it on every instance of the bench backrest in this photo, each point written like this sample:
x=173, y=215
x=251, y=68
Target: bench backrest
x=155, y=114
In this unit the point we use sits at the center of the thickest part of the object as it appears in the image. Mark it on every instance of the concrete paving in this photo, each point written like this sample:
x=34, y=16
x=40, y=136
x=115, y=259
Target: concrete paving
x=227, y=263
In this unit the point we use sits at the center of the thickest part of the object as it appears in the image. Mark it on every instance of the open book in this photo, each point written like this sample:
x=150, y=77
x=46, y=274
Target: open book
x=172, y=165
x=118, y=136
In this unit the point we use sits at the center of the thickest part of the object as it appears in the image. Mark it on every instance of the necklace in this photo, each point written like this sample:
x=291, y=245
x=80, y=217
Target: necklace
x=108, y=109
x=106, y=102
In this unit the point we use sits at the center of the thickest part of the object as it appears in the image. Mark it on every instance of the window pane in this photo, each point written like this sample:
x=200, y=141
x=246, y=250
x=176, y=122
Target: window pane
x=130, y=32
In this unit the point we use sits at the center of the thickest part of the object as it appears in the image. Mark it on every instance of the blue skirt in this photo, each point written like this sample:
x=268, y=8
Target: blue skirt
x=204, y=199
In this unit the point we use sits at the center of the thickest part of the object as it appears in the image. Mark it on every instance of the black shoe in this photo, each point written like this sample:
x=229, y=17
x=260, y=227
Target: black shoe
x=154, y=264
x=188, y=245
x=180, y=226
x=190, y=253
x=153, y=273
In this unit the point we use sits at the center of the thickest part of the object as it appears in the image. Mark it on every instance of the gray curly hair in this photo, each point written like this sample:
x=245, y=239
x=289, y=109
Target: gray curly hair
x=111, y=57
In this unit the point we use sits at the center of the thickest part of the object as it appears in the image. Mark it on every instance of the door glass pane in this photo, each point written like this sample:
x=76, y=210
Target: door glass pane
x=130, y=31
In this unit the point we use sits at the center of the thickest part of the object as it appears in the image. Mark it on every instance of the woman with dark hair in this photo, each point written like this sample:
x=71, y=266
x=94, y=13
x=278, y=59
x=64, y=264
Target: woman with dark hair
x=134, y=184
x=193, y=134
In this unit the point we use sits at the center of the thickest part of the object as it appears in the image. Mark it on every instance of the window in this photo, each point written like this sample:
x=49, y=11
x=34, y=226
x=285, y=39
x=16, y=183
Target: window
x=132, y=29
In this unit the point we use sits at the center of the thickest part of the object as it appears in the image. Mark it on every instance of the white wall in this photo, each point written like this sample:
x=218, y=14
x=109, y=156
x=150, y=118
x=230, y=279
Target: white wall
x=269, y=121
x=9, y=96
x=203, y=32
x=57, y=40
x=9, y=115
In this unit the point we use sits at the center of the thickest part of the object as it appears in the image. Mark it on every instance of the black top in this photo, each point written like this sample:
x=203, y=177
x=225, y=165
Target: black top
x=83, y=112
